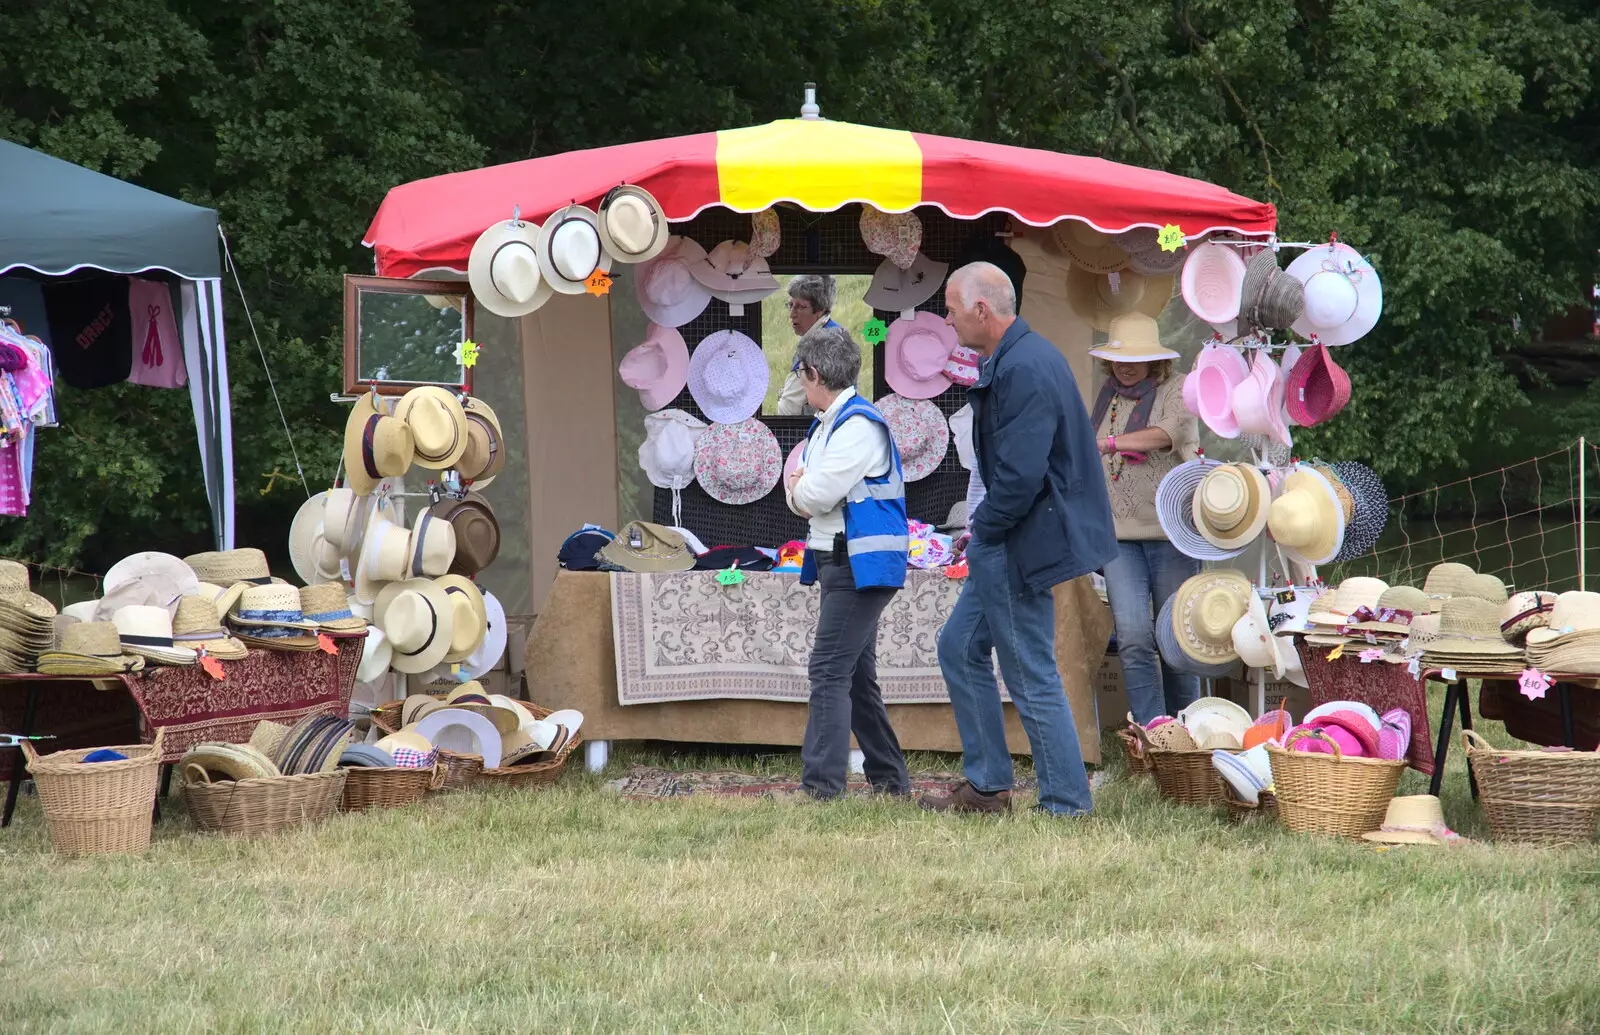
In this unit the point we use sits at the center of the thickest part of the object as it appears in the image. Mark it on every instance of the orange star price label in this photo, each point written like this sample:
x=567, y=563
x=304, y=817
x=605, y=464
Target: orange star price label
x=325, y=644
x=212, y=667
x=599, y=283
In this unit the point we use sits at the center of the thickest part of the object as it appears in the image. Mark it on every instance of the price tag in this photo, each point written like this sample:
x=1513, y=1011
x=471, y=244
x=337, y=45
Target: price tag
x=730, y=576
x=467, y=353
x=211, y=666
x=1370, y=655
x=1170, y=237
x=1336, y=653
x=599, y=283
x=344, y=570
x=1449, y=675
x=874, y=331
x=1370, y=636
x=1414, y=666
x=325, y=644
x=1533, y=684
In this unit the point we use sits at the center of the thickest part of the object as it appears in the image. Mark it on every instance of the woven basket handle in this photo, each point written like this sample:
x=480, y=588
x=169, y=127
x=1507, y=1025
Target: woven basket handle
x=28, y=753
x=155, y=743
x=1144, y=738
x=189, y=767
x=1475, y=742
x=1315, y=734
x=439, y=774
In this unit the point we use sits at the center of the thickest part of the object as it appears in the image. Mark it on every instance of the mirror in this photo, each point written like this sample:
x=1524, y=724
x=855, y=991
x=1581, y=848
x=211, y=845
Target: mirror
x=778, y=335
x=399, y=334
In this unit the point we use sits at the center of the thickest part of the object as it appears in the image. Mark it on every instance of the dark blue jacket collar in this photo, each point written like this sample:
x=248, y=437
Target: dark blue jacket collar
x=1018, y=328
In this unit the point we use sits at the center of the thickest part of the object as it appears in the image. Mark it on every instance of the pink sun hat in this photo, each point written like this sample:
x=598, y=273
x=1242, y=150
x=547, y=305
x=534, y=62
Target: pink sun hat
x=667, y=290
x=1258, y=401
x=962, y=367
x=915, y=356
x=728, y=376
x=797, y=456
x=920, y=432
x=1216, y=373
x=1317, y=388
x=1213, y=276
x=657, y=367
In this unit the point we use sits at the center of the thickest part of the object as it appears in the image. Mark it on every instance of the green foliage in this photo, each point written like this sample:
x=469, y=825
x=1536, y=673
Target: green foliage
x=1457, y=142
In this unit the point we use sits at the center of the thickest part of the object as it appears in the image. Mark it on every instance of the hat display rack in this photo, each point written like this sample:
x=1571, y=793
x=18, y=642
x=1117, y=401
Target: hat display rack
x=1252, y=303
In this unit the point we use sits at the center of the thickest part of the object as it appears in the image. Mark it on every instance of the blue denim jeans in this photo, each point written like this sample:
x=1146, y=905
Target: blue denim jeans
x=1141, y=578
x=991, y=618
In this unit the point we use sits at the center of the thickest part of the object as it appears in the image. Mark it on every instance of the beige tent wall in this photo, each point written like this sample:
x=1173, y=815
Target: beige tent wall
x=571, y=427
x=497, y=380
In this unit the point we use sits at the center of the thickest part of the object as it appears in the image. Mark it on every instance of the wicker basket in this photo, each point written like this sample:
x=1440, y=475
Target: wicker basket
x=1186, y=777
x=100, y=806
x=1331, y=794
x=1138, y=758
x=260, y=806
x=1546, y=797
x=466, y=770
x=1239, y=811
x=388, y=787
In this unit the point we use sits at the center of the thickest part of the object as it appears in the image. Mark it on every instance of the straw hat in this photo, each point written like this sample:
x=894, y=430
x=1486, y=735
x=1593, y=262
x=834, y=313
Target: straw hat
x=438, y=426
x=1213, y=276
x=416, y=617
x=1484, y=587
x=1444, y=579
x=1315, y=387
x=493, y=647
x=1394, y=609
x=1098, y=298
x=146, y=630
x=470, y=622
x=228, y=761
x=313, y=745
x=568, y=249
x=271, y=605
x=1175, y=509
x=1230, y=505
x=1145, y=254
x=1204, y=610
x=226, y=567
x=632, y=224
x=1524, y=612
x=376, y=446
x=485, y=455
x=1269, y=297
x=1353, y=594
x=1468, y=625
x=89, y=649
x=477, y=531
x=268, y=736
x=408, y=750
x=327, y=605
x=431, y=548
x=1573, y=614
x=472, y=697
x=1343, y=295
x=1088, y=248
x=1215, y=722
x=1414, y=819
x=1306, y=519
x=503, y=269
x=657, y=368
x=1133, y=338
x=415, y=706
x=308, y=545
x=13, y=577
x=667, y=291
x=1368, y=514
x=198, y=626
x=728, y=376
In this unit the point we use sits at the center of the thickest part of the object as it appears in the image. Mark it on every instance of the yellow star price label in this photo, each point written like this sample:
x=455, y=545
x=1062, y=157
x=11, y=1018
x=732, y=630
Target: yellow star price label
x=467, y=353
x=1170, y=237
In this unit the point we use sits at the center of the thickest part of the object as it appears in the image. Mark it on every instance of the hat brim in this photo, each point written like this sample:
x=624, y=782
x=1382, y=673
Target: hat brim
x=882, y=297
x=458, y=418
x=1330, y=517
x=303, y=536
x=610, y=245
x=480, y=269
x=458, y=725
x=61, y=663
x=1248, y=530
x=719, y=439
x=1175, y=511
x=1369, y=294
x=438, y=645
x=493, y=648
x=920, y=433
x=676, y=375
x=1218, y=270
x=1183, y=599
x=758, y=376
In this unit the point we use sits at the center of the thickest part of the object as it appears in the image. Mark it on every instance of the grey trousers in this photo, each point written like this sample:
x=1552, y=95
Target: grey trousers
x=845, y=697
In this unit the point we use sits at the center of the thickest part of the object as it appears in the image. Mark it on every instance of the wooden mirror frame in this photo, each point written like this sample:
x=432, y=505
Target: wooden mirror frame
x=354, y=286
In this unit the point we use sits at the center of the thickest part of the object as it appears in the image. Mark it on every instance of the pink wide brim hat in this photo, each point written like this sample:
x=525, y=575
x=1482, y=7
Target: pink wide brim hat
x=1217, y=371
x=1394, y=738
x=920, y=432
x=915, y=356
x=738, y=463
x=728, y=376
x=666, y=288
x=1212, y=278
x=796, y=458
x=1317, y=388
x=657, y=368
x=1258, y=401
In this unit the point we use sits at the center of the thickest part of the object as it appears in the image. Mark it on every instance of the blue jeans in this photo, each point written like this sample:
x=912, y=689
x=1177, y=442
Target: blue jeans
x=991, y=617
x=1146, y=572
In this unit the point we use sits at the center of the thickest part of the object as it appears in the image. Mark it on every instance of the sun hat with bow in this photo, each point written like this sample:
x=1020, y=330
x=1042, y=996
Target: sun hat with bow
x=1218, y=370
x=1371, y=508
x=1258, y=400
x=1316, y=388
x=1305, y=518
x=632, y=224
x=416, y=617
x=1175, y=510
x=1088, y=248
x=438, y=426
x=1099, y=298
x=897, y=236
x=667, y=453
x=657, y=368
x=1133, y=338
x=376, y=446
x=897, y=290
x=485, y=455
x=734, y=273
x=666, y=288
x=738, y=463
x=915, y=355
x=432, y=546
x=503, y=269
x=920, y=432
x=1392, y=612
x=1211, y=282
x=568, y=249
x=728, y=377
x=1269, y=297
x=1343, y=294
x=1230, y=506
x=1414, y=819
x=477, y=530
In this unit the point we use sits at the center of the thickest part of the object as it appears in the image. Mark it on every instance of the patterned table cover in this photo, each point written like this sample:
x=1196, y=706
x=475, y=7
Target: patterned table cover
x=1380, y=684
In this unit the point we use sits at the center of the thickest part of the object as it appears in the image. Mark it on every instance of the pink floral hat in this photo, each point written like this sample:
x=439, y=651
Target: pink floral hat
x=765, y=233
x=896, y=236
x=962, y=367
x=920, y=434
x=738, y=463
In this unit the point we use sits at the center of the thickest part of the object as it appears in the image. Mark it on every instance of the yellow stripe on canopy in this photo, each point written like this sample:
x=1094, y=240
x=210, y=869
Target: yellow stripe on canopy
x=818, y=164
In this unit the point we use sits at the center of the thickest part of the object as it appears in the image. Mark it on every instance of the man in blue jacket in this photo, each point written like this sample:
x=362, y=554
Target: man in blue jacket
x=1045, y=519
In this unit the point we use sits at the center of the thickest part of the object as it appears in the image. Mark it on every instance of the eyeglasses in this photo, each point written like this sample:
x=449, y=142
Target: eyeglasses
x=796, y=306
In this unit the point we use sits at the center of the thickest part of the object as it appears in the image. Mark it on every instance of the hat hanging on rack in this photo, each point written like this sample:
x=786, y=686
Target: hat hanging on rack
x=1269, y=297
x=1343, y=294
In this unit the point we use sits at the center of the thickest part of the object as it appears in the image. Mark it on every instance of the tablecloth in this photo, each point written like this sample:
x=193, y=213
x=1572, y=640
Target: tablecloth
x=1377, y=683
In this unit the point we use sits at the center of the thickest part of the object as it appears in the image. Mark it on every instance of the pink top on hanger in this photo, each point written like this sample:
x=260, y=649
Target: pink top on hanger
x=157, y=353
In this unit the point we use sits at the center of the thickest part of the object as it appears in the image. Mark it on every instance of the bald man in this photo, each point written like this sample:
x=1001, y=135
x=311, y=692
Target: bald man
x=1045, y=518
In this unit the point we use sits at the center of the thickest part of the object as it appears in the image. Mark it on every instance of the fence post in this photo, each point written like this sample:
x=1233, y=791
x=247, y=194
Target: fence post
x=1583, y=515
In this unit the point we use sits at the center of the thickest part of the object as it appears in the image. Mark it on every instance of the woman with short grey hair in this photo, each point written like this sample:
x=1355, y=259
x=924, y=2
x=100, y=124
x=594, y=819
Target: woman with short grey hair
x=850, y=486
x=810, y=301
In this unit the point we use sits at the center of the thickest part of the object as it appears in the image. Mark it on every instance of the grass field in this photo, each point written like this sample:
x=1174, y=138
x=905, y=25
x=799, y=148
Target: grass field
x=570, y=910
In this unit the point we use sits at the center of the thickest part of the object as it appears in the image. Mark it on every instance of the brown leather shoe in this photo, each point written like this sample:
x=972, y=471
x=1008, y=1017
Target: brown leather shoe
x=967, y=799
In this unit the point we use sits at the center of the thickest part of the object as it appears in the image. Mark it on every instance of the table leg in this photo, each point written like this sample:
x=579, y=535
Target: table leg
x=166, y=778
x=595, y=754
x=1564, y=696
x=19, y=768
x=1441, y=747
x=1465, y=704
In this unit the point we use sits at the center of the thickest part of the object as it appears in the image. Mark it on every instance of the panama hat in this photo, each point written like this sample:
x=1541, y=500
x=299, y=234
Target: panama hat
x=568, y=249
x=728, y=377
x=896, y=290
x=89, y=649
x=1088, y=248
x=271, y=616
x=375, y=655
x=1306, y=519
x=1316, y=388
x=146, y=630
x=376, y=446
x=485, y=455
x=438, y=426
x=642, y=546
x=667, y=291
x=1204, y=611
x=198, y=626
x=738, y=463
x=1572, y=614
x=920, y=432
x=1100, y=298
x=1133, y=338
x=657, y=368
x=520, y=745
x=1215, y=722
x=416, y=706
x=477, y=531
x=1230, y=505
x=667, y=453
x=897, y=236
x=327, y=606
x=385, y=553
x=416, y=617
x=305, y=531
x=1211, y=282
x=345, y=517
x=1414, y=819
x=1181, y=661
x=1524, y=612
x=1217, y=373
x=915, y=355
x=470, y=623
x=471, y=696
x=734, y=273
x=432, y=546
x=493, y=647
x=632, y=224
x=503, y=269
x=1258, y=400
x=1175, y=495
x=1343, y=294
x=230, y=761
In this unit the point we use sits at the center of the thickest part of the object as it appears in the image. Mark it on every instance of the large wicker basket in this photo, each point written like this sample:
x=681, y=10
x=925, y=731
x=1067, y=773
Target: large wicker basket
x=264, y=805
x=465, y=770
x=1186, y=777
x=387, y=787
x=99, y=806
x=1330, y=793
x=1545, y=797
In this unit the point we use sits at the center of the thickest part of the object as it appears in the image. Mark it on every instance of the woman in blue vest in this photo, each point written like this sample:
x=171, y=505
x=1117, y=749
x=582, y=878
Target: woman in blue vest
x=849, y=485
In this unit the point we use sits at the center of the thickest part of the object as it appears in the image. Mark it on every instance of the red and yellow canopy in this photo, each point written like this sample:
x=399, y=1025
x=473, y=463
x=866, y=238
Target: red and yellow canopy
x=819, y=165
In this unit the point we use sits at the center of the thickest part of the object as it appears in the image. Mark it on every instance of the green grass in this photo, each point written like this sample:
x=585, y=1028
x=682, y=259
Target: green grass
x=569, y=910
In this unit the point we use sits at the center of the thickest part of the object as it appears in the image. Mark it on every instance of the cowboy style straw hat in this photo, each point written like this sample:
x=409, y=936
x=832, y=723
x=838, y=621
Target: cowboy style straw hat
x=1098, y=299
x=227, y=567
x=438, y=426
x=376, y=446
x=568, y=249
x=431, y=548
x=1306, y=519
x=915, y=355
x=89, y=649
x=738, y=463
x=1343, y=294
x=198, y=626
x=1230, y=505
x=896, y=290
x=667, y=291
x=146, y=630
x=667, y=453
x=1211, y=282
x=416, y=617
x=503, y=269
x=477, y=531
x=1133, y=338
x=1269, y=298
x=632, y=224
x=728, y=377
x=920, y=433
x=485, y=455
x=657, y=368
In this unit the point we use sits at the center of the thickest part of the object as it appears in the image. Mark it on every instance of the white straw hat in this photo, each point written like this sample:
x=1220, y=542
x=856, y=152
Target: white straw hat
x=503, y=269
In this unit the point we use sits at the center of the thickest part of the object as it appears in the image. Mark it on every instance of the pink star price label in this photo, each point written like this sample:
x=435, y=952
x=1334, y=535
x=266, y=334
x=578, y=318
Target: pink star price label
x=1533, y=683
x=1370, y=655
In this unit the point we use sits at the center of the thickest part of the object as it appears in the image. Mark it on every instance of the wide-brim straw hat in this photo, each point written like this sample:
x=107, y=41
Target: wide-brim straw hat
x=632, y=224
x=226, y=567
x=568, y=249
x=1526, y=611
x=313, y=745
x=1204, y=611
x=1175, y=510
x=271, y=605
x=438, y=426
x=1336, y=609
x=1180, y=660
x=90, y=648
x=198, y=626
x=1414, y=819
x=1306, y=519
x=416, y=616
x=1145, y=254
x=327, y=606
x=1342, y=294
x=485, y=455
x=1395, y=610
x=1470, y=626
x=1098, y=299
x=1088, y=248
x=470, y=623
x=377, y=445
x=1133, y=338
x=503, y=269
x=1230, y=505
x=1574, y=614
x=1444, y=578
x=1269, y=297
x=232, y=761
